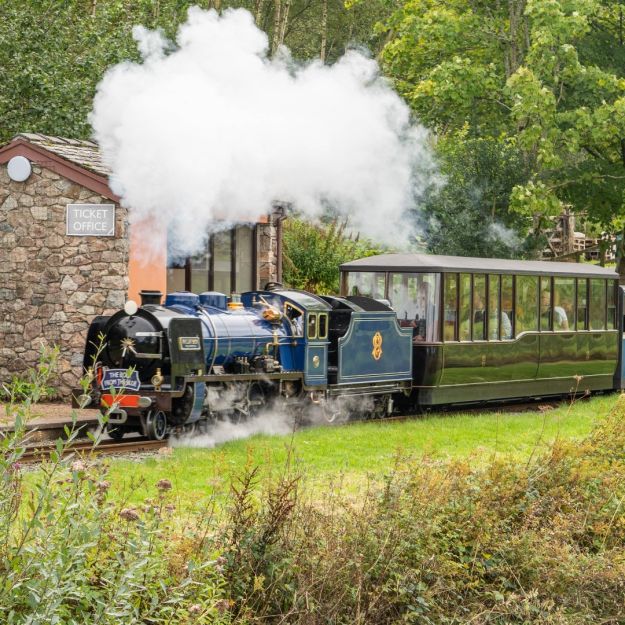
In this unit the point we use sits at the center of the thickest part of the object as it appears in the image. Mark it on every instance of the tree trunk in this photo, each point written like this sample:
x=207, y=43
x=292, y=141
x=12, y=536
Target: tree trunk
x=324, y=30
x=277, y=4
x=258, y=12
x=285, y=21
x=620, y=258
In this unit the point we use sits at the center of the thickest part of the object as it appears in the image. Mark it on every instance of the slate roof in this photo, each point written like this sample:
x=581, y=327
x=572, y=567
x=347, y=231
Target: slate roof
x=85, y=154
x=429, y=262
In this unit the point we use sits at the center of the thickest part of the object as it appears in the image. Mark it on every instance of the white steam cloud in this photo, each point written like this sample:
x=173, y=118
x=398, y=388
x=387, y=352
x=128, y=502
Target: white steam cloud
x=210, y=128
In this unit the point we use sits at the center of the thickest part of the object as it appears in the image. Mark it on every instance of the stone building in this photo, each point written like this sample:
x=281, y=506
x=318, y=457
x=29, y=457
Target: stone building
x=67, y=253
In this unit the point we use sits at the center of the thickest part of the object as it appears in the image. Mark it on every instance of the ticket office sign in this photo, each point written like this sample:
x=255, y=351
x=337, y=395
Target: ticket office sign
x=90, y=220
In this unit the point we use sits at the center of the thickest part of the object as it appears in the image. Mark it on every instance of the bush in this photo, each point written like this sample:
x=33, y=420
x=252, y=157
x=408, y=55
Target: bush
x=313, y=252
x=445, y=543
x=70, y=553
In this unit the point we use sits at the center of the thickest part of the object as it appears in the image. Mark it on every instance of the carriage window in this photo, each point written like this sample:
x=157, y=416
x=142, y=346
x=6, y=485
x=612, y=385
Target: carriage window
x=464, y=333
x=526, y=309
x=414, y=298
x=368, y=283
x=597, y=304
x=611, y=305
x=479, y=307
x=563, y=304
x=493, y=308
x=451, y=313
x=507, y=306
x=582, y=303
x=545, y=303
x=312, y=326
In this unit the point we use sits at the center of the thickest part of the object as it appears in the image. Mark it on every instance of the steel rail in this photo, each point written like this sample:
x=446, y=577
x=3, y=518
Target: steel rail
x=37, y=453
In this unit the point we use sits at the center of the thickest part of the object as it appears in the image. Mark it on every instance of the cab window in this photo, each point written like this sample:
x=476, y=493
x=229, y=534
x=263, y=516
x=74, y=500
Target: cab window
x=323, y=326
x=312, y=325
x=296, y=317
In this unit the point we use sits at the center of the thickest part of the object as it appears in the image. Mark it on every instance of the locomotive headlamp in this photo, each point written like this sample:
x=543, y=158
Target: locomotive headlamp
x=130, y=307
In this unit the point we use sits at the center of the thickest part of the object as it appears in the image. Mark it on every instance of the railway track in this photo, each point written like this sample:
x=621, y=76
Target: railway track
x=39, y=452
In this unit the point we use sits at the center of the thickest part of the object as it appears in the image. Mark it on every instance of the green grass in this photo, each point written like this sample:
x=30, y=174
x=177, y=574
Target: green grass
x=354, y=451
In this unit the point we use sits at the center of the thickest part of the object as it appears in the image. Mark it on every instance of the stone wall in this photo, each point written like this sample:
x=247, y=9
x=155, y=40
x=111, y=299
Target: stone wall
x=52, y=285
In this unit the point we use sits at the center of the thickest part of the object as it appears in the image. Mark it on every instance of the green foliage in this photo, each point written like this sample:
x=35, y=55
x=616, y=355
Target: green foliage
x=543, y=78
x=470, y=215
x=537, y=542
x=70, y=554
x=33, y=386
x=53, y=54
x=495, y=542
x=312, y=253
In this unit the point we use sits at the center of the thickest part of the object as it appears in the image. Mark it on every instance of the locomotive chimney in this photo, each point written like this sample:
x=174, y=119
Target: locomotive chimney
x=150, y=297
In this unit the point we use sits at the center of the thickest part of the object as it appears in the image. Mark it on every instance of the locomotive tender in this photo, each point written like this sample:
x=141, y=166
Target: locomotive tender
x=409, y=329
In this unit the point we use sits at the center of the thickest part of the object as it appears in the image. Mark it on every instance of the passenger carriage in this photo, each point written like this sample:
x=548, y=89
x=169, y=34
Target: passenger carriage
x=492, y=329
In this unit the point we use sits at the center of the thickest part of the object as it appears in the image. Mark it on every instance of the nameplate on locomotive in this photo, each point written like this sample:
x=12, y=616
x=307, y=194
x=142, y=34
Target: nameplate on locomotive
x=120, y=379
x=189, y=343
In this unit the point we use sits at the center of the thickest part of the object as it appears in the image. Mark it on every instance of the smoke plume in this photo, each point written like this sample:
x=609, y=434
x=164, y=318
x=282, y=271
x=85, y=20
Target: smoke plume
x=209, y=128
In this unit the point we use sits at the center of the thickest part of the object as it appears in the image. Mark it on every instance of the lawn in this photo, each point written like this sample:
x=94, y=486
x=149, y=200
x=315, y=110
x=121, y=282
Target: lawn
x=351, y=452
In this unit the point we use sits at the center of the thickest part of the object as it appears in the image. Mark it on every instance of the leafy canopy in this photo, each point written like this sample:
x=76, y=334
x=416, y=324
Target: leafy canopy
x=544, y=79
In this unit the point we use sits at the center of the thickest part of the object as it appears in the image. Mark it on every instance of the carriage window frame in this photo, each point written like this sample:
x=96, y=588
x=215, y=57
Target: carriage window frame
x=479, y=277
x=469, y=310
x=598, y=287
x=611, y=308
x=546, y=284
x=449, y=278
x=493, y=315
x=584, y=321
x=519, y=280
x=512, y=316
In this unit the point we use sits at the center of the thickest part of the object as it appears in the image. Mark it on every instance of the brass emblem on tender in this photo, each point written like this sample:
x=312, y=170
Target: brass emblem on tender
x=377, y=346
x=315, y=361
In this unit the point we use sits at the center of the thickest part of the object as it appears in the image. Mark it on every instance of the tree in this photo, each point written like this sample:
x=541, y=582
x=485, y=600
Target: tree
x=53, y=54
x=470, y=214
x=542, y=77
x=313, y=252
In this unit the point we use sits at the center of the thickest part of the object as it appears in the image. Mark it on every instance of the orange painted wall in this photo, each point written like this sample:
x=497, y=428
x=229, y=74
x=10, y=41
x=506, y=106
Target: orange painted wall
x=147, y=263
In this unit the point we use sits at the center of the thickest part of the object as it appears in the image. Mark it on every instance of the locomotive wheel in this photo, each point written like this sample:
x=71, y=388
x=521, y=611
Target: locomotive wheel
x=155, y=426
x=256, y=399
x=116, y=432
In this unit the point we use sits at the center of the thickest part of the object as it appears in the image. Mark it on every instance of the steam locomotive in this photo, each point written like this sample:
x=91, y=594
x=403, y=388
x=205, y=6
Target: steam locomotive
x=161, y=367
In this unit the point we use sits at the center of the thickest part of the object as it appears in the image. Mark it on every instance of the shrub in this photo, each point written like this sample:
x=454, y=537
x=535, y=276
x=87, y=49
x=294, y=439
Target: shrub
x=313, y=252
x=445, y=543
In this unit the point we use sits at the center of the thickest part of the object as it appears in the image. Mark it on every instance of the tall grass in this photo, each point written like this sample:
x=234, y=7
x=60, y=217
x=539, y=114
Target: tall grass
x=431, y=542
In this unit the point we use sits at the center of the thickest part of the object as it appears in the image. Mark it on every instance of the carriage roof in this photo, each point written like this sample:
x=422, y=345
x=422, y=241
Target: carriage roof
x=431, y=263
